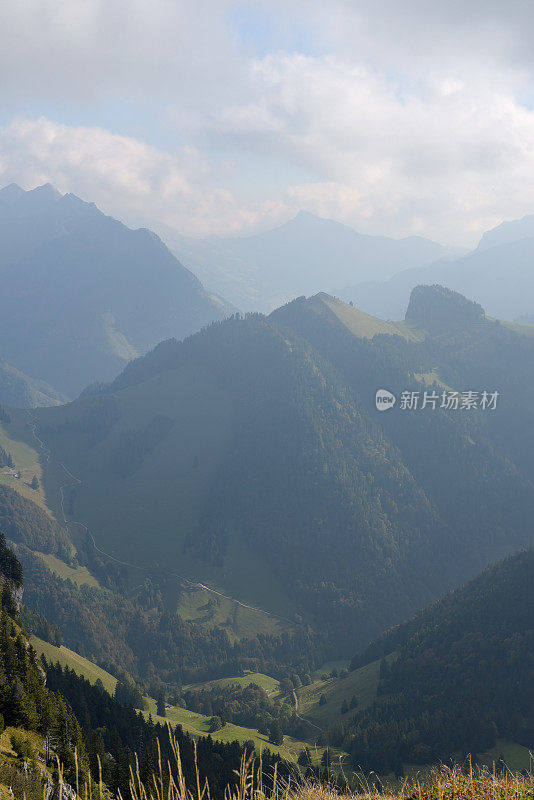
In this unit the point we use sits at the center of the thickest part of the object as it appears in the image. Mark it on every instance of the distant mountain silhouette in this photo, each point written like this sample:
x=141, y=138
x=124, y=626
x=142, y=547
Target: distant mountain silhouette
x=499, y=274
x=508, y=232
x=82, y=293
x=304, y=256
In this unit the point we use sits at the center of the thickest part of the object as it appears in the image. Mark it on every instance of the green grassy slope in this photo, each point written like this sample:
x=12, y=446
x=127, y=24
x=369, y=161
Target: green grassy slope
x=68, y=658
x=18, y=389
x=358, y=322
x=15, y=439
x=217, y=611
x=198, y=725
x=362, y=683
x=153, y=494
x=265, y=681
x=78, y=575
x=515, y=756
x=523, y=328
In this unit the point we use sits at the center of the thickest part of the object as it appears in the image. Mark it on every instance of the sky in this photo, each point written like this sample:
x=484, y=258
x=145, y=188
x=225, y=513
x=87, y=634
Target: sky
x=226, y=118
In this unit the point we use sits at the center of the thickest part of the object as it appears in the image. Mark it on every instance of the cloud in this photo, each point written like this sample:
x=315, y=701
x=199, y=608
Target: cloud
x=197, y=54
x=411, y=117
x=124, y=176
x=452, y=155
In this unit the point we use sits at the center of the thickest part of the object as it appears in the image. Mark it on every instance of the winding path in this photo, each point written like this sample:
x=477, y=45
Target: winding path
x=303, y=719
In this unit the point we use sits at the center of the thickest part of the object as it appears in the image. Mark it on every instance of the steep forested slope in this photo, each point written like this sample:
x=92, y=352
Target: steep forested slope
x=25, y=701
x=263, y=463
x=471, y=464
x=462, y=675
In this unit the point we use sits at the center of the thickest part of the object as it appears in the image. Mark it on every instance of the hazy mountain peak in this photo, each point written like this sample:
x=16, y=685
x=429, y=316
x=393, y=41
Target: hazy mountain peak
x=73, y=198
x=302, y=256
x=11, y=191
x=307, y=219
x=508, y=232
x=321, y=225
x=92, y=291
x=46, y=191
x=303, y=215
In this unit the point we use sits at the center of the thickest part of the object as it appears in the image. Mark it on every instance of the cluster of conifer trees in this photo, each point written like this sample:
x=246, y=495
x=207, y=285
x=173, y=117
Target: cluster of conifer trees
x=459, y=679
x=6, y=459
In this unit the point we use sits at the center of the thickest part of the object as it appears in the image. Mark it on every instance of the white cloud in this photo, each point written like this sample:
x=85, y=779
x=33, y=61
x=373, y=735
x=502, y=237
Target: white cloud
x=451, y=158
x=410, y=117
x=82, y=52
x=139, y=184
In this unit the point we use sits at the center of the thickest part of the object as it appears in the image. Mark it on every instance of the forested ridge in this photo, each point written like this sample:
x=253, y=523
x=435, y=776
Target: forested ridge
x=361, y=519
x=460, y=677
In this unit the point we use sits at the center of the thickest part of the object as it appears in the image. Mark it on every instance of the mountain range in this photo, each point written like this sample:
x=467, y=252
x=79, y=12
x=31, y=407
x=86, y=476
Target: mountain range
x=377, y=273
x=499, y=273
x=237, y=500
x=251, y=458
x=82, y=293
x=306, y=255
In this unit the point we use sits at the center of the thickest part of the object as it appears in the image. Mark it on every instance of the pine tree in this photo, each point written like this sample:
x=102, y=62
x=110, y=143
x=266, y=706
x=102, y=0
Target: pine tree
x=276, y=735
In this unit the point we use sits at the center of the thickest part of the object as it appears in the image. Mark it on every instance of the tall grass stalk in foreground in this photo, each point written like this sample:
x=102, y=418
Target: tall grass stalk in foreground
x=443, y=783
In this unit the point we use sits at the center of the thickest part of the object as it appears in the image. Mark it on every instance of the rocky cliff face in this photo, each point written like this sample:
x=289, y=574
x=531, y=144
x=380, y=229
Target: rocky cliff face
x=15, y=591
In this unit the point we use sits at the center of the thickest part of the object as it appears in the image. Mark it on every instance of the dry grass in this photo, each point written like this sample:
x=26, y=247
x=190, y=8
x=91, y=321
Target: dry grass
x=168, y=783
x=441, y=784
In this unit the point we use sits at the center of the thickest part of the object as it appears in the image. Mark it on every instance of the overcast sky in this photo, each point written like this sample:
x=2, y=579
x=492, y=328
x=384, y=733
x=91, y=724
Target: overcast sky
x=219, y=117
